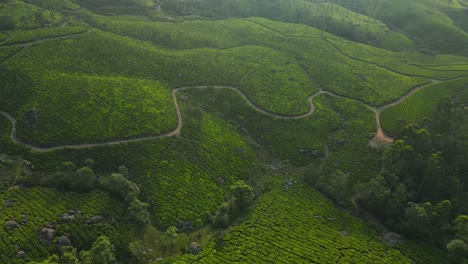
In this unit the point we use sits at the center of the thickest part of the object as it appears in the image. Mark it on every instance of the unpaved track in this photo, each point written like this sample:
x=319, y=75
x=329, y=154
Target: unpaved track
x=379, y=135
x=27, y=43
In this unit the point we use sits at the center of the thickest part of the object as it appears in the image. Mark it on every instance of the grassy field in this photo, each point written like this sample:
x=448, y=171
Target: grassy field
x=295, y=224
x=422, y=103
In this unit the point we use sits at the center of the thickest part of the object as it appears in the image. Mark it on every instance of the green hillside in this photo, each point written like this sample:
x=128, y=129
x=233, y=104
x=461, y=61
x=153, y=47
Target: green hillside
x=214, y=131
x=320, y=234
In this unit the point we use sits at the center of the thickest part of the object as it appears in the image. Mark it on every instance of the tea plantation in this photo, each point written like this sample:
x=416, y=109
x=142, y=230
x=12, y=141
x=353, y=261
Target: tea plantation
x=292, y=223
x=240, y=131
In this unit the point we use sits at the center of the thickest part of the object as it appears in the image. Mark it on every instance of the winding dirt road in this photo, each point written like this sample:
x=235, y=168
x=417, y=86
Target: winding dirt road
x=379, y=135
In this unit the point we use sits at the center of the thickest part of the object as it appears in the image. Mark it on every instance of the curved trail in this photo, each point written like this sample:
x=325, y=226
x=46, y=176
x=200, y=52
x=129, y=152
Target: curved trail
x=379, y=135
x=27, y=43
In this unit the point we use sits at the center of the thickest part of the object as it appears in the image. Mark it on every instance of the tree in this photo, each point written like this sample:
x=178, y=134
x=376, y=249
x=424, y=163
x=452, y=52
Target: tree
x=222, y=217
x=416, y=218
x=54, y=259
x=170, y=237
x=102, y=252
x=138, y=212
x=117, y=184
x=138, y=250
x=84, y=179
x=69, y=258
x=374, y=193
x=312, y=175
x=334, y=186
x=457, y=249
x=461, y=227
x=7, y=23
x=242, y=195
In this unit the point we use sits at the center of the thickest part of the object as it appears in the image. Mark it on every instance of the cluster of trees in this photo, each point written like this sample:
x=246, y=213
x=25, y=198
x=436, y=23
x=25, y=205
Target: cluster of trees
x=70, y=177
x=238, y=200
x=334, y=186
x=101, y=252
x=420, y=190
x=7, y=23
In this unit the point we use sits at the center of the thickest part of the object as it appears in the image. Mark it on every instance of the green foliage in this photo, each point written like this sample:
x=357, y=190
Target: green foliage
x=24, y=207
x=118, y=185
x=87, y=108
x=327, y=16
x=83, y=179
x=457, y=250
x=334, y=186
x=138, y=212
x=420, y=104
x=41, y=34
x=412, y=17
x=242, y=194
x=321, y=233
x=102, y=252
x=18, y=14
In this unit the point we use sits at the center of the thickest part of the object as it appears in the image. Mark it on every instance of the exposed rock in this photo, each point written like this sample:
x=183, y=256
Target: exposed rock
x=195, y=248
x=344, y=233
x=63, y=241
x=67, y=217
x=362, y=77
x=185, y=226
x=185, y=98
x=21, y=254
x=32, y=116
x=47, y=234
x=12, y=224
x=8, y=203
x=392, y=238
x=288, y=183
x=341, y=141
x=220, y=180
x=330, y=219
x=95, y=219
x=315, y=153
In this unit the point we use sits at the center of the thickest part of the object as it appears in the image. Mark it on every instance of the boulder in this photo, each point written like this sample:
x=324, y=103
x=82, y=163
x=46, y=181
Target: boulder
x=21, y=254
x=47, y=234
x=95, y=219
x=8, y=203
x=63, y=241
x=194, y=248
x=32, y=116
x=66, y=217
x=12, y=224
x=392, y=238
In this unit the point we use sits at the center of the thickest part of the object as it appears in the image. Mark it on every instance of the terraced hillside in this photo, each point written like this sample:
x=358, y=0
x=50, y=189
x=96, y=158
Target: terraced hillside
x=79, y=217
x=293, y=223
x=423, y=103
x=192, y=97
